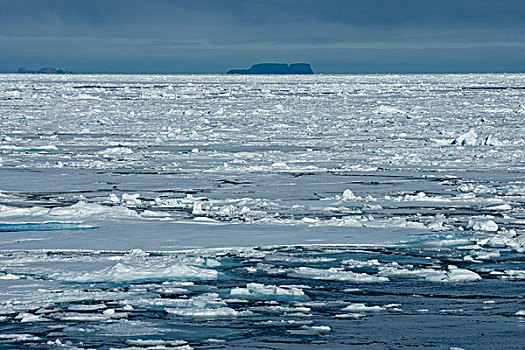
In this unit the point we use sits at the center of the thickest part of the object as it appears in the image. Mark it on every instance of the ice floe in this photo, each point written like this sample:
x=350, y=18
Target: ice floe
x=453, y=274
x=389, y=110
x=469, y=138
x=360, y=307
x=482, y=225
x=116, y=152
x=261, y=291
x=85, y=209
x=219, y=312
x=335, y=274
x=133, y=273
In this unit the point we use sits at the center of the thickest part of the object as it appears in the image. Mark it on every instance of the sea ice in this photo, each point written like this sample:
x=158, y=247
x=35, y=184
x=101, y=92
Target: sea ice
x=389, y=110
x=155, y=342
x=9, y=276
x=334, y=273
x=469, y=138
x=482, y=225
x=116, y=152
x=352, y=316
x=18, y=337
x=258, y=290
x=184, y=167
x=28, y=317
x=209, y=313
x=128, y=273
x=360, y=307
x=85, y=209
x=461, y=275
x=348, y=195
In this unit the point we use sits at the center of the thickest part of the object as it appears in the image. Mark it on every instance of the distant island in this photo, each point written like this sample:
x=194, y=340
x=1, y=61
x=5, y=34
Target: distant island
x=47, y=70
x=275, y=68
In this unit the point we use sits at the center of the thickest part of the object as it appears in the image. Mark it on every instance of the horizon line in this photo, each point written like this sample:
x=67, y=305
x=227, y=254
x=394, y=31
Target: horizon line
x=315, y=73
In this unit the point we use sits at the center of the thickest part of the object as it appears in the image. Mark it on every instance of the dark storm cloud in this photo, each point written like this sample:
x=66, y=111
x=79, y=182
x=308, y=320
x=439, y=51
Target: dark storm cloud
x=211, y=36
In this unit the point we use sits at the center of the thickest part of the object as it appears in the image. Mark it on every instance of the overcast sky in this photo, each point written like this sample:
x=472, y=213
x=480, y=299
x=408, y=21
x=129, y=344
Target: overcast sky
x=212, y=36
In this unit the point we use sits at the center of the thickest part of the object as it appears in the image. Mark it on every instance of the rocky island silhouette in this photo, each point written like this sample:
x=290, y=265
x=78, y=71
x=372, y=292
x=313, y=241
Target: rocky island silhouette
x=275, y=68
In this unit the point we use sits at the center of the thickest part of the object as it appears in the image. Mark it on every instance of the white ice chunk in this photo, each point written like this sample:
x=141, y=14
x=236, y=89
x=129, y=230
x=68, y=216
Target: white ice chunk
x=116, y=152
x=16, y=337
x=389, y=110
x=348, y=195
x=28, y=317
x=360, y=307
x=258, y=290
x=131, y=199
x=111, y=313
x=500, y=207
x=461, y=275
x=28, y=148
x=81, y=317
x=352, y=316
x=113, y=198
x=155, y=342
x=313, y=330
x=469, y=138
x=482, y=225
x=197, y=208
x=208, y=312
x=430, y=275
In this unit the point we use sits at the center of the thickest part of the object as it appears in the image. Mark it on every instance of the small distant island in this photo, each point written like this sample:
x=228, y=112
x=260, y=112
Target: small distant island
x=47, y=70
x=275, y=68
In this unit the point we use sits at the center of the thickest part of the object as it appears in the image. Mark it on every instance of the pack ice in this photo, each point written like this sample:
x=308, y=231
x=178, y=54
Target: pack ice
x=199, y=211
